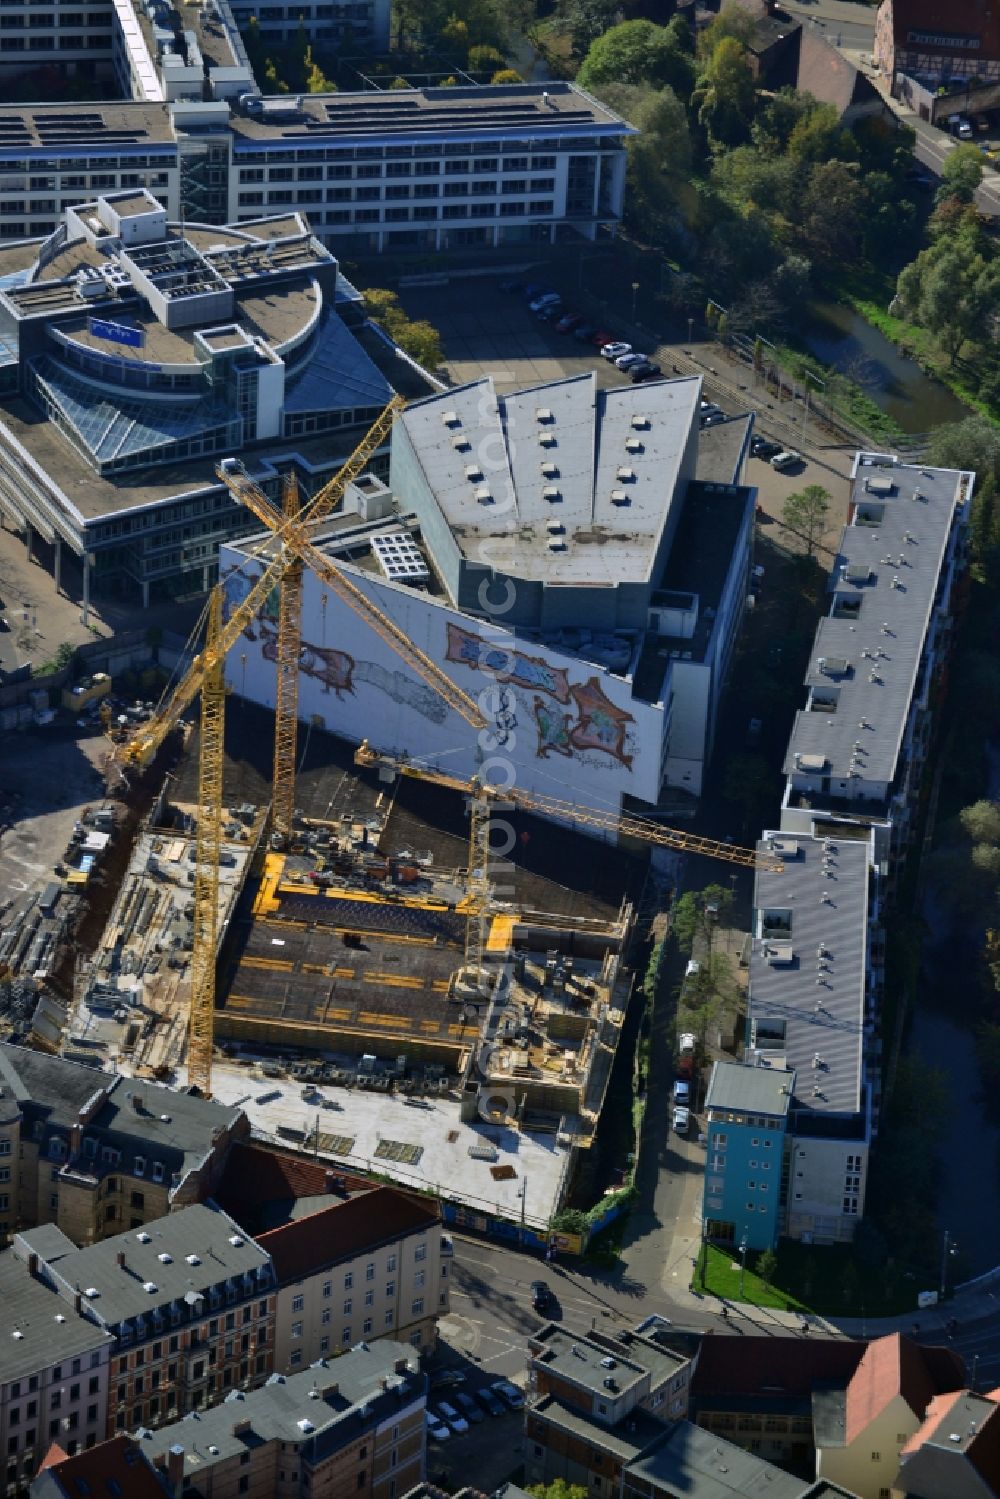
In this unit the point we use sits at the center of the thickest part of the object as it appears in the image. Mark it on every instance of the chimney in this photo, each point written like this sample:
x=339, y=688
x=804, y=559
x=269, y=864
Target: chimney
x=401, y=1366
x=383, y=1383
x=75, y=1132
x=78, y=1302
x=175, y=1466
x=32, y=1264
x=120, y=1257
x=137, y=1103
x=241, y=1428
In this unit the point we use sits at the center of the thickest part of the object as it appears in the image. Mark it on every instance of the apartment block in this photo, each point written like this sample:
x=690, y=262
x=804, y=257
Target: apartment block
x=91, y=1153
x=374, y=1265
x=334, y=1431
x=859, y=747
x=746, y=1117
x=54, y=1374
x=189, y=1302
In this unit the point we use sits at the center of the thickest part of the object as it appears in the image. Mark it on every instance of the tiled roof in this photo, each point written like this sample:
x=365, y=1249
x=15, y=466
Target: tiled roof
x=751, y=1366
x=894, y=1365
x=114, y=1467
x=942, y=18
x=956, y=1452
x=343, y=1231
x=254, y=1177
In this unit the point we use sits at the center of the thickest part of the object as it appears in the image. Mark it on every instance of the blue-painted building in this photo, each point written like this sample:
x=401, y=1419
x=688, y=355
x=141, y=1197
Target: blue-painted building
x=746, y=1118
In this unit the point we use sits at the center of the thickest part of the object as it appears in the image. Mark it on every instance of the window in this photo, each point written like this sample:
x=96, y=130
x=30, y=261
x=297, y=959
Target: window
x=417, y=1307
x=389, y=1318
x=420, y=1253
x=369, y=1298
x=325, y=1318
x=296, y=1357
x=349, y=1280
x=390, y=1264
x=370, y=1270
x=348, y=1304
x=324, y=1345
x=296, y=1329
x=298, y=1302
x=328, y=1288
x=345, y=1337
x=721, y=1140
x=362, y=1478
x=367, y=1326
x=390, y=1288
x=876, y=1457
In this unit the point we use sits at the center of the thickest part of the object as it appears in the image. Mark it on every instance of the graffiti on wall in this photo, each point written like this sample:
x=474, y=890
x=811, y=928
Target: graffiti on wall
x=531, y=672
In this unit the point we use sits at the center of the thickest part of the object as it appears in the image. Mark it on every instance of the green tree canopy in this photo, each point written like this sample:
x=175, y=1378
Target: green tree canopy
x=724, y=94
x=952, y=289
x=961, y=174
x=734, y=20
x=558, y=1489
x=807, y=513
x=696, y=913
x=981, y=822
x=636, y=52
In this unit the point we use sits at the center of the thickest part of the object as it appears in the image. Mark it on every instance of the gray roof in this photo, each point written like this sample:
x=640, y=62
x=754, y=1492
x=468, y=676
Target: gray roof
x=274, y=1413
x=701, y=1465
x=626, y=1440
x=605, y=542
x=818, y=999
x=575, y=1357
x=882, y=647
x=955, y=1455
x=30, y=1308
x=221, y=1248
x=179, y=1125
x=754, y=1090
x=722, y=451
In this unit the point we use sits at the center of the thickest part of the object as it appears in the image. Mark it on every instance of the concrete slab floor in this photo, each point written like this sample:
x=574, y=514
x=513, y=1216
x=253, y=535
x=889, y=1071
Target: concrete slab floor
x=445, y=1165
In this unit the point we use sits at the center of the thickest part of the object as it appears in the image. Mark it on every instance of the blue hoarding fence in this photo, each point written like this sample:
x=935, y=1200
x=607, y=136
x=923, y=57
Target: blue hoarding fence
x=118, y=333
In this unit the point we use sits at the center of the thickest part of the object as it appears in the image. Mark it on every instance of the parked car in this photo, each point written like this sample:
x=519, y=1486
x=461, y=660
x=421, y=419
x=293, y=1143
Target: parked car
x=681, y=1119
x=550, y=311
x=682, y=1091
x=626, y=361
x=762, y=447
x=615, y=349
x=508, y=1393
x=584, y=332
x=568, y=322
x=647, y=371
x=713, y=419
x=709, y=408
x=544, y=299
x=600, y=338
x=450, y=1417
x=787, y=459
x=437, y=1430
x=489, y=1402
x=470, y=1410
x=445, y=1379
x=541, y=1296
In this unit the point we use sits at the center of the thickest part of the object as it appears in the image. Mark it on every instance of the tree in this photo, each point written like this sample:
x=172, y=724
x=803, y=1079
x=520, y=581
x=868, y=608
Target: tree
x=981, y=822
x=735, y=21
x=316, y=80
x=724, y=94
x=455, y=36
x=952, y=289
x=767, y=1265
x=636, y=52
x=961, y=174
x=586, y=20
x=806, y=513
x=658, y=159
x=485, y=59
x=832, y=212
x=506, y=75
x=697, y=913
x=558, y=1489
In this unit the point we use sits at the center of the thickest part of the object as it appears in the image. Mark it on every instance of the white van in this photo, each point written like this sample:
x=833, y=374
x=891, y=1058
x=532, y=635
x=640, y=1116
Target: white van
x=786, y=459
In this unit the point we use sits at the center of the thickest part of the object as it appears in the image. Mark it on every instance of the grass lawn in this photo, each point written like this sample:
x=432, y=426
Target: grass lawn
x=827, y=1280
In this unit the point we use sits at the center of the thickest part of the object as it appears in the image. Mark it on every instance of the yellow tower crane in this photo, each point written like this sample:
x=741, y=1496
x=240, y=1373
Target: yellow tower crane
x=206, y=675
x=482, y=797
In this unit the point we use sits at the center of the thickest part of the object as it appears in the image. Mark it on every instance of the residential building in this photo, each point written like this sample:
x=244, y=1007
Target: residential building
x=136, y=353
x=54, y=1371
x=859, y=746
x=860, y=1431
x=334, y=1431
x=773, y=1395
x=609, y=1376
x=91, y=1152
x=189, y=1301
x=919, y=40
x=688, y=1463
x=114, y=1468
x=746, y=1117
x=956, y=1452
x=366, y=1267
x=560, y=529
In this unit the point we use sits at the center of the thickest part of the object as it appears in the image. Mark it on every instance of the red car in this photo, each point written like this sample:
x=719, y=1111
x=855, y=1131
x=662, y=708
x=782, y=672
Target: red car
x=568, y=322
x=602, y=337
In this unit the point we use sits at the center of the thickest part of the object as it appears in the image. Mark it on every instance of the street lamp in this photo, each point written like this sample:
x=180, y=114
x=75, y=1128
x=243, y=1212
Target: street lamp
x=635, y=288
x=948, y=1249
x=743, y=1260
x=690, y=330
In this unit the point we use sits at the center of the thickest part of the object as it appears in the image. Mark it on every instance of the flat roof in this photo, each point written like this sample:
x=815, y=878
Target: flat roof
x=294, y=1408
x=701, y=1465
x=890, y=564
x=30, y=1309
x=625, y=1440
x=722, y=450
x=627, y=1361
x=809, y=983
x=202, y=1232
x=74, y=129
x=753, y=1090
x=602, y=465
x=525, y=111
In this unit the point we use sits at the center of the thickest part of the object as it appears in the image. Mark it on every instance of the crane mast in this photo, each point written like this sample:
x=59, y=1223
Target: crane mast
x=286, y=684
x=208, y=847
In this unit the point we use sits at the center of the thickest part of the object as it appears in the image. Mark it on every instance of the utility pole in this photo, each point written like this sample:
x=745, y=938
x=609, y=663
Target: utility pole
x=948, y=1247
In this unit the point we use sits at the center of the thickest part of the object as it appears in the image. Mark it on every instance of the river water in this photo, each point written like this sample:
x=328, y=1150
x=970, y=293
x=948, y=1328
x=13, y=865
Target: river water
x=841, y=338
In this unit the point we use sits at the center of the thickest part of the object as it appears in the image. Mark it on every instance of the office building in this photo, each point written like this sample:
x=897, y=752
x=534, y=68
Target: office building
x=189, y=1301
x=92, y=1152
x=135, y=353
x=558, y=535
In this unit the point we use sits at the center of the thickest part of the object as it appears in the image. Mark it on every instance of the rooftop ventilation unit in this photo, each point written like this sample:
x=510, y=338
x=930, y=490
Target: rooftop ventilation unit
x=619, y=497
x=547, y=439
x=555, y=527
x=551, y=493
x=150, y=1286
x=625, y=474
x=461, y=443
x=556, y=544
x=236, y=1241
x=550, y=470
x=633, y=445
x=144, y=1238
x=165, y=1259
x=192, y=1259
x=473, y=471
x=640, y=423
x=451, y=419
x=484, y=495
x=543, y=414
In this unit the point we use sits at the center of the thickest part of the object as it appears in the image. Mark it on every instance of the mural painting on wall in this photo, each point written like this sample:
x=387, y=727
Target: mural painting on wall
x=597, y=725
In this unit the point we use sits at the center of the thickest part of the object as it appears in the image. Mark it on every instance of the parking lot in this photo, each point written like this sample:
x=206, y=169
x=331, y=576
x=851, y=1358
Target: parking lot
x=492, y=1445
x=485, y=331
